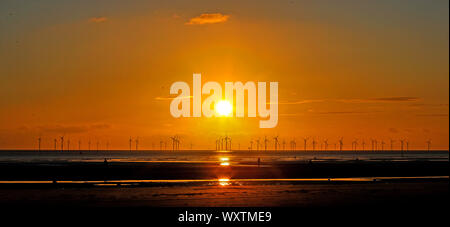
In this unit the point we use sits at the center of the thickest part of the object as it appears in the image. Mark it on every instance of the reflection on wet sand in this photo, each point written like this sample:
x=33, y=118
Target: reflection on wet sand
x=227, y=181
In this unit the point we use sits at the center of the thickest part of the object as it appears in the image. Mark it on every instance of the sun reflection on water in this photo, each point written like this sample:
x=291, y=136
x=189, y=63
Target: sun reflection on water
x=224, y=161
x=224, y=181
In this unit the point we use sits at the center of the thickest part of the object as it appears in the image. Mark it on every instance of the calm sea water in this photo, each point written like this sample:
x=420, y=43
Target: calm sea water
x=224, y=157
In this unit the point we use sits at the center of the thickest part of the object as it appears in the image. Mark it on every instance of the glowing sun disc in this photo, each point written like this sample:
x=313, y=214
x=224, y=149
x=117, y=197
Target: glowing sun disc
x=223, y=108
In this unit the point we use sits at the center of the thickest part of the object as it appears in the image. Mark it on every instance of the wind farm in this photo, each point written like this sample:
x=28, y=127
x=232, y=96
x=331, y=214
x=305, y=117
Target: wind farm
x=305, y=111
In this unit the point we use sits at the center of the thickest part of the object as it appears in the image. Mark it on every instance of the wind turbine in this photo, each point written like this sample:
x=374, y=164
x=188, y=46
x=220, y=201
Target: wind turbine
x=284, y=144
x=341, y=143
x=68, y=144
x=354, y=144
x=130, y=141
x=39, y=143
x=373, y=143
x=55, y=140
x=217, y=144
x=251, y=145
x=226, y=142
x=392, y=144
x=402, y=141
x=173, y=143
x=363, y=145
x=326, y=144
x=265, y=143
x=258, y=143
x=62, y=143
x=79, y=145
x=314, y=144
x=382, y=145
x=429, y=144
x=276, y=142
x=137, y=143
x=407, y=145
x=293, y=144
x=304, y=143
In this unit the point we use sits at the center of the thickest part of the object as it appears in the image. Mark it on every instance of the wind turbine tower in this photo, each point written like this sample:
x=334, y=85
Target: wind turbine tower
x=429, y=145
x=341, y=143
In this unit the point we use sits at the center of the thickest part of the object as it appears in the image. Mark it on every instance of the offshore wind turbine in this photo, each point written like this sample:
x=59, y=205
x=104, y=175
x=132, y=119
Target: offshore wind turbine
x=382, y=145
x=137, y=143
x=429, y=144
x=173, y=143
x=62, y=143
x=392, y=144
x=226, y=142
x=258, y=144
x=39, y=143
x=354, y=144
x=177, y=138
x=341, y=143
x=326, y=144
x=363, y=145
x=55, y=140
x=217, y=144
x=304, y=143
x=374, y=144
x=251, y=145
x=407, y=145
x=293, y=144
x=402, y=141
x=314, y=144
x=275, y=142
x=265, y=143
x=130, y=141
x=284, y=144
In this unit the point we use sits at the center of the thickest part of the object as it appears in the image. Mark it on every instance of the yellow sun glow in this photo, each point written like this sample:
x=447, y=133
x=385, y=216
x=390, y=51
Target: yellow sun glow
x=223, y=108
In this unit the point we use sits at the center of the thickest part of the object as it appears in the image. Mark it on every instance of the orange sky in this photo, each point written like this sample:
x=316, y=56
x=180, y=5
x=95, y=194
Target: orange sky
x=102, y=70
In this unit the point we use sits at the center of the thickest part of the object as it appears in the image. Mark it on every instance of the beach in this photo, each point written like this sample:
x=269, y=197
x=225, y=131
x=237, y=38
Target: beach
x=222, y=179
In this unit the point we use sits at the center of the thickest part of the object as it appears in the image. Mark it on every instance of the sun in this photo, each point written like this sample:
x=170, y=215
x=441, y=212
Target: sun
x=223, y=108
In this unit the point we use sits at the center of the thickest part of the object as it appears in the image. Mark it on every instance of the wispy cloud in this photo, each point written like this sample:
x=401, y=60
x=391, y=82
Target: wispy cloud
x=98, y=19
x=432, y=115
x=304, y=101
x=72, y=128
x=383, y=99
x=159, y=98
x=208, y=18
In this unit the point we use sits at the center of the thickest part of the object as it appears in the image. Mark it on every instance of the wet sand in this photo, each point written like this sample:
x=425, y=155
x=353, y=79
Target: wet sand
x=387, y=182
x=184, y=171
x=306, y=195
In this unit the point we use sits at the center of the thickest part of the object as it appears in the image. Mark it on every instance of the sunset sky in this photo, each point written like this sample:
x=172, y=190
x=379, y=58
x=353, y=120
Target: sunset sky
x=101, y=70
